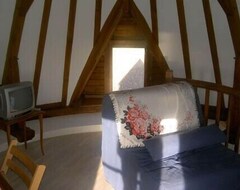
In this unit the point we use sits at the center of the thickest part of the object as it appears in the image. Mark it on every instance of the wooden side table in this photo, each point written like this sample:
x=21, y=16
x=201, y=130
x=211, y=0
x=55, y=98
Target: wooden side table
x=6, y=124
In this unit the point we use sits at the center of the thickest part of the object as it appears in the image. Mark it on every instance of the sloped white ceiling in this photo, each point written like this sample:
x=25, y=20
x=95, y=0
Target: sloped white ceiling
x=169, y=41
x=6, y=15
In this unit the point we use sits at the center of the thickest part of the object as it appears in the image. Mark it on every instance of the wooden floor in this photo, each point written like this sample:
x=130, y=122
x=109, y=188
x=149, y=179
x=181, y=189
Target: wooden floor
x=73, y=162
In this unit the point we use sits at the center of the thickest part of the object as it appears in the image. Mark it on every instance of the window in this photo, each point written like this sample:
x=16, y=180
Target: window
x=127, y=68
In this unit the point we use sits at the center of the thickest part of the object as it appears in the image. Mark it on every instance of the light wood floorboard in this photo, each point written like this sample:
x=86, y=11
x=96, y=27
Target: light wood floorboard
x=73, y=162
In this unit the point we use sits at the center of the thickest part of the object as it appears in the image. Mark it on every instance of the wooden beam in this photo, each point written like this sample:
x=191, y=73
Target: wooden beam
x=225, y=6
x=206, y=106
x=212, y=43
x=98, y=50
x=184, y=38
x=98, y=14
x=126, y=6
x=25, y=5
x=152, y=45
x=235, y=119
x=212, y=40
x=68, y=50
x=72, y=110
x=153, y=5
x=108, y=70
x=41, y=44
x=231, y=10
x=50, y=106
x=234, y=23
x=11, y=68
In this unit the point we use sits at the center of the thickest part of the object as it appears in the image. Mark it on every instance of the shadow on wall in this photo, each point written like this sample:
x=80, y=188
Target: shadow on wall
x=134, y=78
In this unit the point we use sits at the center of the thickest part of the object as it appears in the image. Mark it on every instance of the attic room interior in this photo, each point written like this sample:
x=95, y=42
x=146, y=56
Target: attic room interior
x=74, y=54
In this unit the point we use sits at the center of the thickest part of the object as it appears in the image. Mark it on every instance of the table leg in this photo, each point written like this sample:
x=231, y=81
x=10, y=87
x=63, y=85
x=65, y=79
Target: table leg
x=41, y=131
x=8, y=129
x=25, y=133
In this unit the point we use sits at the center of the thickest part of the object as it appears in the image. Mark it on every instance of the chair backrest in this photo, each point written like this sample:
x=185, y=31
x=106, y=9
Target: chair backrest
x=21, y=164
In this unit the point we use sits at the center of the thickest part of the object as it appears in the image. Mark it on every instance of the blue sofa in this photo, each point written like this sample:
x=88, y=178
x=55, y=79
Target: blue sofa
x=194, y=159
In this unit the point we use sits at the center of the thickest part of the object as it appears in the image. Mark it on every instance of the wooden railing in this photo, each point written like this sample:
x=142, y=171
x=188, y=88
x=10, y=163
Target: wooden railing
x=224, y=93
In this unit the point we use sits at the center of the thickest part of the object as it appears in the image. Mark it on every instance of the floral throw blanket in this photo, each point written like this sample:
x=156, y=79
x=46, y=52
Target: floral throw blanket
x=155, y=110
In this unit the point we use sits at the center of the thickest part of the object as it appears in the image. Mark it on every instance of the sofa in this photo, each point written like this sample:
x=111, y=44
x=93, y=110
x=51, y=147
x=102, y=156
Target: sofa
x=155, y=138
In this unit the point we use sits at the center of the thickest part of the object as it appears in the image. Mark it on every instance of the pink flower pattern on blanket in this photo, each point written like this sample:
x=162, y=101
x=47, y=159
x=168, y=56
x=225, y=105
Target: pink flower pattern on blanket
x=139, y=122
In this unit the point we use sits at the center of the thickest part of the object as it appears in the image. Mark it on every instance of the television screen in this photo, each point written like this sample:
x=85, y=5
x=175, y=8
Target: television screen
x=16, y=98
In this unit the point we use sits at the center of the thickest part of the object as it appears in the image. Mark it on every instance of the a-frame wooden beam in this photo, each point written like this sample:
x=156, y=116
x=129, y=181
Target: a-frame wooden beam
x=98, y=49
x=184, y=38
x=25, y=5
x=153, y=5
x=97, y=23
x=212, y=43
x=152, y=43
x=11, y=69
x=212, y=40
x=231, y=10
x=68, y=50
x=41, y=44
x=120, y=8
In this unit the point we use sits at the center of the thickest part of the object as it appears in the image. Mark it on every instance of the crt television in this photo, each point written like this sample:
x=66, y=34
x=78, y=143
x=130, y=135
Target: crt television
x=16, y=99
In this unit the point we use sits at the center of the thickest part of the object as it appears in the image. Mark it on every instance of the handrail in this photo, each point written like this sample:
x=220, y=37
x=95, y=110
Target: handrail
x=220, y=90
x=211, y=86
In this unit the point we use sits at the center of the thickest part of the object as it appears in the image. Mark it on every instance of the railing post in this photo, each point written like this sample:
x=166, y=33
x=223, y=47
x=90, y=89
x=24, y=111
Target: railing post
x=169, y=75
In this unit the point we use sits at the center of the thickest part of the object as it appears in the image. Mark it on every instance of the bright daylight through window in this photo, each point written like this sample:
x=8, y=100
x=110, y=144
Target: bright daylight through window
x=127, y=68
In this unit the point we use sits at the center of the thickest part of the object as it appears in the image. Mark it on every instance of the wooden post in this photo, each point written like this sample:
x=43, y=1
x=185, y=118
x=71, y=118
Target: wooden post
x=97, y=51
x=212, y=40
x=169, y=75
x=231, y=10
x=97, y=24
x=68, y=50
x=41, y=44
x=154, y=17
x=184, y=38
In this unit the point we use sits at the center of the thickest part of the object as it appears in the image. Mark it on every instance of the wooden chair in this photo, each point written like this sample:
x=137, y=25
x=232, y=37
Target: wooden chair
x=21, y=164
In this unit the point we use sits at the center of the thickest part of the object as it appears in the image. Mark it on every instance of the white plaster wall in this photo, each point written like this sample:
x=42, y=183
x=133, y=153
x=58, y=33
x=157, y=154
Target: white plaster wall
x=169, y=36
x=83, y=40
x=199, y=49
x=29, y=43
x=200, y=56
x=224, y=43
x=6, y=15
x=144, y=7
x=53, y=60
x=106, y=9
x=169, y=42
x=50, y=86
x=54, y=54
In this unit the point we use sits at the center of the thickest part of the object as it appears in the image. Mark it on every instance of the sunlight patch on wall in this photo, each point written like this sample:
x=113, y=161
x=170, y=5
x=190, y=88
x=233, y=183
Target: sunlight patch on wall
x=127, y=68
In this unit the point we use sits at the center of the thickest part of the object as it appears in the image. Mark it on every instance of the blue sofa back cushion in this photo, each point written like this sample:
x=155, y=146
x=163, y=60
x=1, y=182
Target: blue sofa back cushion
x=167, y=145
